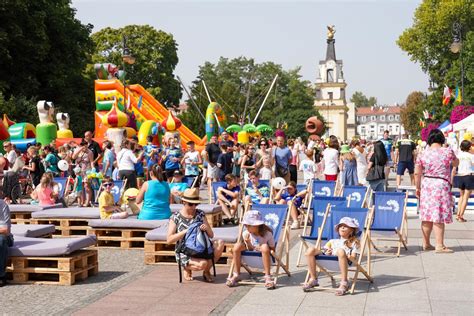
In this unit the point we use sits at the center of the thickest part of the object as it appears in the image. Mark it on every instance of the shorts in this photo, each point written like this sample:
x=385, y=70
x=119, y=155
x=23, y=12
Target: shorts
x=404, y=165
x=212, y=172
x=330, y=177
x=464, y=182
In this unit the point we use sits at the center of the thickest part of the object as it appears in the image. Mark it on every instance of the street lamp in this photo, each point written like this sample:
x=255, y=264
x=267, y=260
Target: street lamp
x=456, y=47
x=127, y=58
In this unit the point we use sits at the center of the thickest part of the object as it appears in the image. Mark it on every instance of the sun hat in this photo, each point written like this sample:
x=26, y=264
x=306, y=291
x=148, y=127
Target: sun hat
x=253, y=218
x=348, y=221
x=345, y=149
x=191, y=196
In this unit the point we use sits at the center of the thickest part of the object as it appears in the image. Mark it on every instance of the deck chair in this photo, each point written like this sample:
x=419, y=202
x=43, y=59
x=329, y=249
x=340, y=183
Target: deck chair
x=117, y=190
x=276, y=217
x=63, y=184
x=390, y=218
x=361, y=263
x=318, y=208
x=244, y=191
x=215, y=185
x=190, y=180
x=356, y=195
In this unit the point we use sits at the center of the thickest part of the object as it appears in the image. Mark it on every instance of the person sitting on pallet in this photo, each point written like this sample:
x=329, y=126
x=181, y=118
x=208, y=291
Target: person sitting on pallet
x=178, y=227
x=228, y=197
x=43, y=192
x=256, y=193
x=6, y=240
x=346, y=246
x=108, y=210
x=258, y=237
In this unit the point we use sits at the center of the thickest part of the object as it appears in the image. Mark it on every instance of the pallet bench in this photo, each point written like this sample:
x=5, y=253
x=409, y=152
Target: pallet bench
x=21, y=213
x=213, y=212
x=33, y=231
x=158, y=251
x=126, y=233
x=69, y=222
x=51, y=261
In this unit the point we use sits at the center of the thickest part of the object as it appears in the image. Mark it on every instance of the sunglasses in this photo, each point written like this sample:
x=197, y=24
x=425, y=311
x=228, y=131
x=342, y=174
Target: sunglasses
x=263, y=144
x=192, y=204
x=108, y=184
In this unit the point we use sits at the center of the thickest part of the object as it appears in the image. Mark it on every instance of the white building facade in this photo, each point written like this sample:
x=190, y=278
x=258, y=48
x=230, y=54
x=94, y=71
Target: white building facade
x=372, y=122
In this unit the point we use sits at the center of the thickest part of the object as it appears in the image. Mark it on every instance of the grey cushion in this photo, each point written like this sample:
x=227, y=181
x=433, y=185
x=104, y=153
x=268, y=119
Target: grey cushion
x=130, y=222
x=227, y=234
x=29, y=208
x=69, y=212
x=32, y=230
x=206, y=208
x=45, y=247
x=158, y=234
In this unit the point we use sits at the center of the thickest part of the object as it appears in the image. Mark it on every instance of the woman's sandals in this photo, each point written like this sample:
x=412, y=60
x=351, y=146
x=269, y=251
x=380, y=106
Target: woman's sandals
x=233, y=280
x=343, y=287
x=311, y=284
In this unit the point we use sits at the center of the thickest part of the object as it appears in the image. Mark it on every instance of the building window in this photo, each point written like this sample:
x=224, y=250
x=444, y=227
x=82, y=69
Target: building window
x=330, y=74
x=381, y=129
x=318, y=94
x=364, y=118
x=390, y=129
x=372, y=118
x=397, y=117
x=382, y=118
x=396, y=129
x=362, y=130
x=390, y=118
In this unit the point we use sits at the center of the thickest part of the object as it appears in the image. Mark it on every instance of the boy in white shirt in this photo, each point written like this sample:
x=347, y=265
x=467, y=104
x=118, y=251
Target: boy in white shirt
x=308, y=167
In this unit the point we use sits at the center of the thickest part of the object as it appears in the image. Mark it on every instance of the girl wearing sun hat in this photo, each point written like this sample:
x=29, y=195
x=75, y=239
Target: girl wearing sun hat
x=346, y=246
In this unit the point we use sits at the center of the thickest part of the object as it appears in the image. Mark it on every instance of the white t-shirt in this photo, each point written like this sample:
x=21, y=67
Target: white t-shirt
x=11, y=157
x=126, y=160
x=466, y=163
x=331, y=158
x=265, y=173
x=309, y=169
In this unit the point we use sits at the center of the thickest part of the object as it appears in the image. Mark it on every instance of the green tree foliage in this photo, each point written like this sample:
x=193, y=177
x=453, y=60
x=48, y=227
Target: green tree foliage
x=360, y=100
x=428, y=41
x=290, y=103
x=19, y=109
x=43, y=52
x=155, y=55
x=412, y=111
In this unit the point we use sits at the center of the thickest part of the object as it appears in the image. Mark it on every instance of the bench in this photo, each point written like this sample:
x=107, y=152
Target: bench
x=21, y=213
x=158, y=251
x=61, y=261
x=70, y=221
x=123, y=233
x=33, y=231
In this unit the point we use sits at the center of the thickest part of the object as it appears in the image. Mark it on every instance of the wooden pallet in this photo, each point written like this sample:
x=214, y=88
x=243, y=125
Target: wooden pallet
x=65, y=227
x=20, y=218
x=160, y=252
x=119, y=237
x=214, y=219
x=66, y=270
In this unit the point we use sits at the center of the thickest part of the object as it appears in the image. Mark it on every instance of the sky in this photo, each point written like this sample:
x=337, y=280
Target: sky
x=290, y=33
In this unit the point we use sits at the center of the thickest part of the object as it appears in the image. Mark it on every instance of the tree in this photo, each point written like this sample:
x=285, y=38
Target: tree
x=155, y=53
x=412, y=111
x=360, y=100
x=43, y=52
x=428, y=41
x=229, y=81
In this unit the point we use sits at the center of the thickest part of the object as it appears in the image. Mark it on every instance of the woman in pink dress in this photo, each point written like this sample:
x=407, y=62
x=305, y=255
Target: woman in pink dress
x=434, y=190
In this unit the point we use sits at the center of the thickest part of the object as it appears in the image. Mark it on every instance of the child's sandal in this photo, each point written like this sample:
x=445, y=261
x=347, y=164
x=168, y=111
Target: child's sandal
x=232, y=281
x=311, y=284
x=269, y=283
x=343, y=287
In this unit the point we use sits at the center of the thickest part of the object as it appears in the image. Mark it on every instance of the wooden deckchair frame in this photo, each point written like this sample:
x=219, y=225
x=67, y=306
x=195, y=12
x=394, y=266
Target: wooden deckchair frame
x=402, y=234
x=357, y=262
x=277, y=254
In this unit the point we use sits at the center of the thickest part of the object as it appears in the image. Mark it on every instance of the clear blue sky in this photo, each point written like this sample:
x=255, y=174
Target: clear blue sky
x=291, y=33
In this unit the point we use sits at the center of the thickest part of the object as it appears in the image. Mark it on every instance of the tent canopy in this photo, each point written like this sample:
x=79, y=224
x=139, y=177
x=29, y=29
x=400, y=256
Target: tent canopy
x=465, y=124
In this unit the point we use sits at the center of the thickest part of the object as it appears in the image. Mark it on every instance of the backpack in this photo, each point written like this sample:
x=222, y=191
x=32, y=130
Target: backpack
x=197, y=244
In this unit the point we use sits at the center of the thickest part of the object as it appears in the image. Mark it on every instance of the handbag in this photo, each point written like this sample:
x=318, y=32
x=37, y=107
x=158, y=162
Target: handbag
x=377, y=172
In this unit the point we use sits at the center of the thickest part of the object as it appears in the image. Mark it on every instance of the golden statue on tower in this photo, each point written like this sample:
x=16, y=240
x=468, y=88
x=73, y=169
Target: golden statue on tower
x=331, y=32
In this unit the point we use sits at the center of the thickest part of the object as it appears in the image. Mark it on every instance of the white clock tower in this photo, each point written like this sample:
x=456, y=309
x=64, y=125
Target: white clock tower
x=330, y=98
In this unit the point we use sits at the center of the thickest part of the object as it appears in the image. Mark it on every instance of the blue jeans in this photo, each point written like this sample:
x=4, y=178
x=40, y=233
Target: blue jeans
x=5, y=242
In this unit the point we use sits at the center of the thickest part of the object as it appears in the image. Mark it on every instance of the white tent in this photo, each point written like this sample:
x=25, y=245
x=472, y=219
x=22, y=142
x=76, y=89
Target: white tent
x=467, y=124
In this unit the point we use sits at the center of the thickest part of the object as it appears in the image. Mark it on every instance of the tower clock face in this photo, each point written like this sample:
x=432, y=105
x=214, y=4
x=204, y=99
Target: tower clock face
x=331, y=64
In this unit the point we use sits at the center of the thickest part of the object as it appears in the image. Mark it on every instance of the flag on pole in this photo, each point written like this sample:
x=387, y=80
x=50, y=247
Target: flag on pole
x=458, y=96
x=426, y=115
x=421, y=123
x=446, y=95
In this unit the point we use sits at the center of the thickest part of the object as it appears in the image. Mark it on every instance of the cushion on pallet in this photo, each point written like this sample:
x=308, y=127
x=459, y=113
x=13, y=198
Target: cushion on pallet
x=131, y=222
x=206, y=208
x=227, y=234
x=157, y=234
x=69, y=212
x=29, y=208
x=32, y=230
x=45, y=247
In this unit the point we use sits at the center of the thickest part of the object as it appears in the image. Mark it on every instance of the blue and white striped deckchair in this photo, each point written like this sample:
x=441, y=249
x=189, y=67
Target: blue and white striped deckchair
x=390, y=218
x=276, y=217
x=329, y=263
x=356, y=195
x=318, y=208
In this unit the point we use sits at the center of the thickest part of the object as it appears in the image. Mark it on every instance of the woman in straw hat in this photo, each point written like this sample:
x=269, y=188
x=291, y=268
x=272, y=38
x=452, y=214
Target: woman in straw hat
x=178, y=226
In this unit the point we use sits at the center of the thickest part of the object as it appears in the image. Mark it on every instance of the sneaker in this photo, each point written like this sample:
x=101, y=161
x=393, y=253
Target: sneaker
x=295, y=225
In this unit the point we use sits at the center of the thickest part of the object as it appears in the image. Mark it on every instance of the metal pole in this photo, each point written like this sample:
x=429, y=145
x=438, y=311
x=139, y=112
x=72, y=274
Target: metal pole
x=462, y=66
x=247, y=99
x=190, y=97
x=207, y=92
x=264, y=100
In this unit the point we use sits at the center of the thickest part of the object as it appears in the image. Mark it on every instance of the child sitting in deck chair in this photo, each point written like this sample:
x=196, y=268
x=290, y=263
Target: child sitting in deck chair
x=257, y=237
x=289, y=195
x=344, y=247
x=256, y=192
x=228, y=198
x=108, y=210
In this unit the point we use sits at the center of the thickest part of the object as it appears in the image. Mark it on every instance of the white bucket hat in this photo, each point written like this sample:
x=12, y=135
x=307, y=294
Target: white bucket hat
x=253, y=218
x=348, y=221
